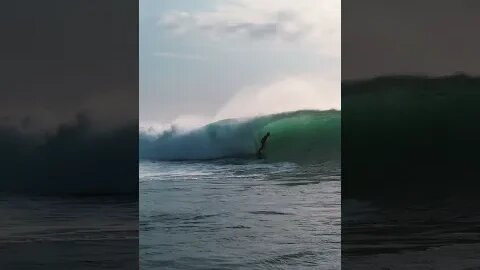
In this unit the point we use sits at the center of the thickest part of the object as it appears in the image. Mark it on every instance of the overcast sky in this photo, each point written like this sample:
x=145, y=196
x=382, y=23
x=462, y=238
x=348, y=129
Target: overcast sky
x=434, y=37
x=58, y=59
x=232, y=58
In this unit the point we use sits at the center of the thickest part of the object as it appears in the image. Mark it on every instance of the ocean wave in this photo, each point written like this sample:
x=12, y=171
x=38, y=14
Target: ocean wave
x=300, y=135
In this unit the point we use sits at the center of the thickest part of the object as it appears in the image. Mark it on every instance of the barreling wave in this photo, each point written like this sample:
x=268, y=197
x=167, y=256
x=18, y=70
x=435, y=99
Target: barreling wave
x=295, y=136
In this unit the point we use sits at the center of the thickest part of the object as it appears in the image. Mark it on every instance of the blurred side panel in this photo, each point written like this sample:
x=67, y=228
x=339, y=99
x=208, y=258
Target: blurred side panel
x=410, y=134
x=69, y=134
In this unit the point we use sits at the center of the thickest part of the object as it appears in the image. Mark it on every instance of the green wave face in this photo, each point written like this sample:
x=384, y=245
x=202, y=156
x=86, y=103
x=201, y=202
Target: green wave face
x=303, y=136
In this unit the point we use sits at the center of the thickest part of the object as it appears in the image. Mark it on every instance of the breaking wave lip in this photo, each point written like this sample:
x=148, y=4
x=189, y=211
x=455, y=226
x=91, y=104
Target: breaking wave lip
x=299, y=135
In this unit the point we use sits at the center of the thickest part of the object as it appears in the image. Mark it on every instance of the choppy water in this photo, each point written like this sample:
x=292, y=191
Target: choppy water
x=239, y=214
x=68, y=232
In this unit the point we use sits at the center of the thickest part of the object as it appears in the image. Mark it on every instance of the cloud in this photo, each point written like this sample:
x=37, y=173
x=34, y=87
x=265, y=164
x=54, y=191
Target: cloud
x=179, y=56
x=313, y=23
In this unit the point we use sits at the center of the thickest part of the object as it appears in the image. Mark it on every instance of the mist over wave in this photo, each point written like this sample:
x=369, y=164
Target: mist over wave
x=287, y=95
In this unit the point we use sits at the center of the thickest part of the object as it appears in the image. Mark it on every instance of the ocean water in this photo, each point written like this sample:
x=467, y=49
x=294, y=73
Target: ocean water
x=239, y=214
x=52, y=232
x=438, y=234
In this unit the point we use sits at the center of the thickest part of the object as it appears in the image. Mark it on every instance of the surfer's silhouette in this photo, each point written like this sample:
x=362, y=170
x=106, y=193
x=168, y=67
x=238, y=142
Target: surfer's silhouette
x=263, y=141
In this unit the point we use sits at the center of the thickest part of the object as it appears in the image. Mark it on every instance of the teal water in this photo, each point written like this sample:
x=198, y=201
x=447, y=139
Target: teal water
x=239, y=214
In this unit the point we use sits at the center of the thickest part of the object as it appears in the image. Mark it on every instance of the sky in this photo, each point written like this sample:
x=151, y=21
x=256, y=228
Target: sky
x=60, y=59
x=210, y=60
x=429, y=37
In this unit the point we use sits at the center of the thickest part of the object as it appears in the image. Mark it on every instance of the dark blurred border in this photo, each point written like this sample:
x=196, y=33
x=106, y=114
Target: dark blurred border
x=69, y=134
x=410, y=134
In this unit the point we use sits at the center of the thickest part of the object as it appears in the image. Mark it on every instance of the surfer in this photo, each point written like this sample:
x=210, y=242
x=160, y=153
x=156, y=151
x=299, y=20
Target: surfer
x=263, y=141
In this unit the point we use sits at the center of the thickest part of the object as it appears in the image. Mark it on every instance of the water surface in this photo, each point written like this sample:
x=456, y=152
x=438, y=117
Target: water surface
x=239, y=214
